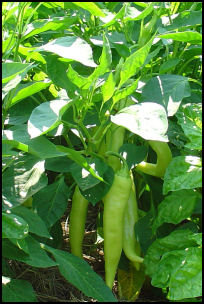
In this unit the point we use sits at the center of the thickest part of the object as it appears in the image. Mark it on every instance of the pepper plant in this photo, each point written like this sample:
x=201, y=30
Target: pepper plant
x=102, y=106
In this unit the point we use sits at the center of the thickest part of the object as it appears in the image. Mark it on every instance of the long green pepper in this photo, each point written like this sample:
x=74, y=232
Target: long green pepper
x=115, y=202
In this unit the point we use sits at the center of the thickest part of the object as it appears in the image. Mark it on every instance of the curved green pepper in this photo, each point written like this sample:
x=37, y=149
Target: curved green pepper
x=164, y=157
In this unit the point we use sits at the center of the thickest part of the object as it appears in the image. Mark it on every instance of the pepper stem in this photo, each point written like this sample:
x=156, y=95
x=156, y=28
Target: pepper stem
x=124, y=168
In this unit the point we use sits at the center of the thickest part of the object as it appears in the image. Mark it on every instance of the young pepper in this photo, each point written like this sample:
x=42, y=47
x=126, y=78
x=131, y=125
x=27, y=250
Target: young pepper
x=115, y=202
x=77, y=222
x=164, y=157
x=130, y=245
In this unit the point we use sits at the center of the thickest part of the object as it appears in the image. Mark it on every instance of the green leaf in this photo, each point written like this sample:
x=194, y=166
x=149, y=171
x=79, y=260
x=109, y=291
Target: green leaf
x=96, y=193
x=120, y=94
x=14, y=226
x=108, y=87
x=133, y=14
x=79, y=273
x=14, y=290
x=35, y=223
x=58, y=164
x=51, y=201
x=134, y=62
x=91, y=7
x=181, y=272
x=13, y=69
x=167, y=90
x=73, y=48
x=105, y=61
x=168, y=65
x=190, y=119
x=176, y=240
x=25, y=90
x=22, y=179
x=79, y=159
x=133, y=154
x=87, y=181
x=183, y=172
x=175, y=208
x=43, y=25
x=45, y=117
x=147, y=120
x=186, y=19
x=189, y=36
x=76, y=78
x=37, y=256
x=110, y=19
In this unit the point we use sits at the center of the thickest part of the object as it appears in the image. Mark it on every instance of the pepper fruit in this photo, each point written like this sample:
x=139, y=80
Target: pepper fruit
x=77, y=222
x=130, y=245
x=164, y=157
x=115, y=202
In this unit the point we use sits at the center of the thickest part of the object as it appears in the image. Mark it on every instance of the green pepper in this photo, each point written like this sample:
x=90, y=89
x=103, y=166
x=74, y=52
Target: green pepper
x=164, y=157
x=115, y=138
x=115, y=202
x=130, y=245
x=77, y=222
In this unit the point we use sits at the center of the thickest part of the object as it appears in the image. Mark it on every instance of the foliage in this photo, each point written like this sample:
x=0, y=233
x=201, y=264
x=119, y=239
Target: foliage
x=70, y=70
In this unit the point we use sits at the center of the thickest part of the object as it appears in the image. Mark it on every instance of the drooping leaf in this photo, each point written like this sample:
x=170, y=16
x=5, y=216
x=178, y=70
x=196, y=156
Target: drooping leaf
x=79, y=273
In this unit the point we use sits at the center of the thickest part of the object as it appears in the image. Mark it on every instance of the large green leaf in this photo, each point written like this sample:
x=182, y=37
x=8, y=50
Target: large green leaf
x=25, y=90
x=133, y=14
x=189, y=36
x=80, y=160
x=91, y=7
x=176, y=207
x=12, y=69
x=181, y=272
x=79, y=273
x=51, y=201
x=43, y=25
x=73, y=48
x=22, y=179
x=190, y=118
x=35, y=223
x=36, y=257
x=15, y=290
x=14, y=226
x=167, y=90
x=186, y=19
x=184, y=172
x=176, y=240
x=147, y=120
x=134, y=62
x=45, y=117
